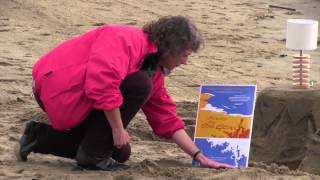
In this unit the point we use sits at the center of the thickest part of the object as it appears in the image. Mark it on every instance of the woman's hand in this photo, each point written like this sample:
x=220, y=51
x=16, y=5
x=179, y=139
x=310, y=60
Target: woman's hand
x=185, y=143
x=119, y=134
x=120, y=137
x=204, y=161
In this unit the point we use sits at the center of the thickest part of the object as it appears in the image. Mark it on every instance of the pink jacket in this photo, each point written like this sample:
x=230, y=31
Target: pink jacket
x=85, y=72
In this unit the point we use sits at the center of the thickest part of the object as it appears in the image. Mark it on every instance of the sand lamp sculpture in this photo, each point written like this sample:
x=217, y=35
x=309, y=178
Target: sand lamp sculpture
x=302, y=34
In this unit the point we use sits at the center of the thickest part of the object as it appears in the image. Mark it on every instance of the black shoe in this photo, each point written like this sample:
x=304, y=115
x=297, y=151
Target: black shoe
x=27, y=141
x=94, y=163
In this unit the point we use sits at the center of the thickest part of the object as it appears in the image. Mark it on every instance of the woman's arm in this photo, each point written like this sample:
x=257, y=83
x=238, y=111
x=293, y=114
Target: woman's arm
x=120, y=135
x=187, y=145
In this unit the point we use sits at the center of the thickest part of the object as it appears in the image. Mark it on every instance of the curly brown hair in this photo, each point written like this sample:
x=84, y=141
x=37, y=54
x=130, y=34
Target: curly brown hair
x=173, y=35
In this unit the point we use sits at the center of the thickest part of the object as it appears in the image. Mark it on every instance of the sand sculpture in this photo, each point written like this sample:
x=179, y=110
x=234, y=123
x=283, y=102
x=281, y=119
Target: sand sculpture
x=286, y=126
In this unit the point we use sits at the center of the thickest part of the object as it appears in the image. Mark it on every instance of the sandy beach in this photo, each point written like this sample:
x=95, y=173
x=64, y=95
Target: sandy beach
x=244, y=44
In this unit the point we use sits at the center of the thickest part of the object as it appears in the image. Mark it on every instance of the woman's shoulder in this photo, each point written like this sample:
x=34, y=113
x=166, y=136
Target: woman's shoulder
x=120, y=29
x=124, y=33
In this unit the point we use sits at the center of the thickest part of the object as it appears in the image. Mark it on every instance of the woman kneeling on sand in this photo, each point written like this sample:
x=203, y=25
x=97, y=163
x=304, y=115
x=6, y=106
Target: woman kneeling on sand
x=91, y=86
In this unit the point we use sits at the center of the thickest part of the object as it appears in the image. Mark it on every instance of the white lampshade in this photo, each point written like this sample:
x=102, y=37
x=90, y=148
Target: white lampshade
x=302, y=34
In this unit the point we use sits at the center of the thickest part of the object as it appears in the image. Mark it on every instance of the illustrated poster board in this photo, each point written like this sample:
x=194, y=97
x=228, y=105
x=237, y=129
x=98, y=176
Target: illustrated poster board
x=224, y=123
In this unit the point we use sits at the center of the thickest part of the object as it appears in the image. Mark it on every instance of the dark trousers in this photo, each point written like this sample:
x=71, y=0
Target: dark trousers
x=94, y=134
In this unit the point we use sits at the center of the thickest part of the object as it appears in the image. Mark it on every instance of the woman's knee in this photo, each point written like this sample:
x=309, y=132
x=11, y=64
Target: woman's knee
x=138, y=84
x=123, y=154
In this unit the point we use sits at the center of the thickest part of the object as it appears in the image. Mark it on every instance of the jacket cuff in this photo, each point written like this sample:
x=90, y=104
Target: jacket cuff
x=169, y=129
x=108, y=102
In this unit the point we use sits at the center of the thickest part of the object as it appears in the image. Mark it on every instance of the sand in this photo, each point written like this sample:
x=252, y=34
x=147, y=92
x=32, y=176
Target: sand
x=244, y=44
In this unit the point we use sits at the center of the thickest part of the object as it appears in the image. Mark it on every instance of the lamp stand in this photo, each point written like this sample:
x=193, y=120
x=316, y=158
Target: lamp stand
x=301, y=71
